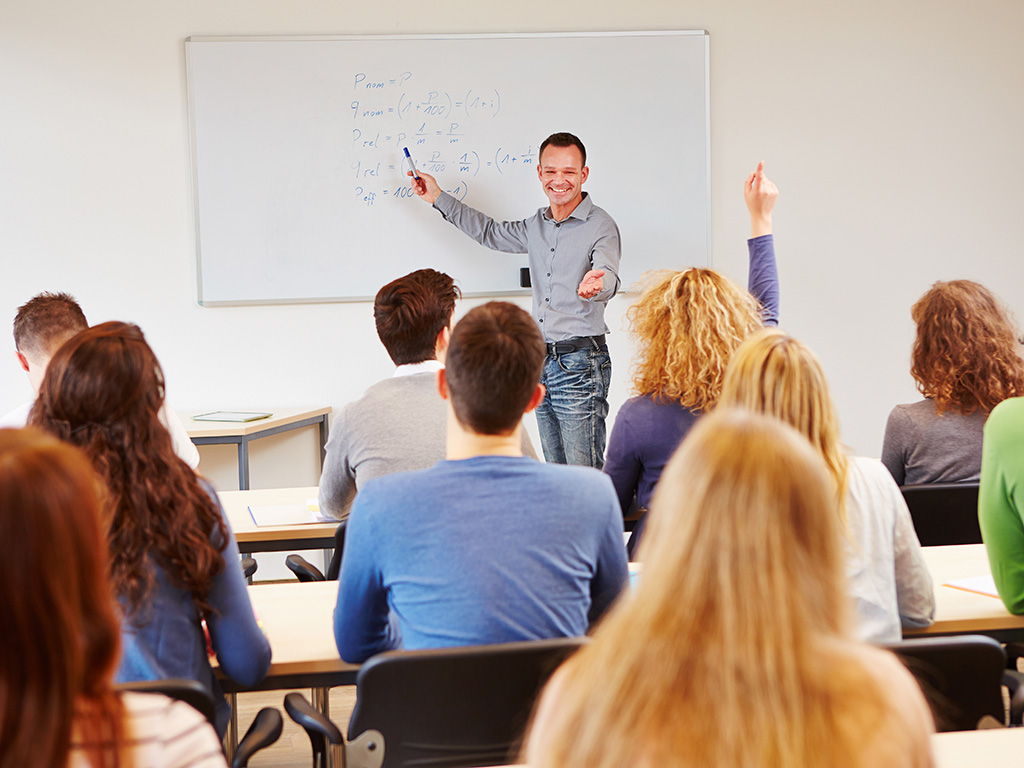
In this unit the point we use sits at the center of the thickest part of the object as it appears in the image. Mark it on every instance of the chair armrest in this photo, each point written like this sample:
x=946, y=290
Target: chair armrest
x=264, y=731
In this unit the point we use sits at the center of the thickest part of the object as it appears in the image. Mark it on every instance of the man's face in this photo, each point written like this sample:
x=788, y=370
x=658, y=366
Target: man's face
x=562, y=173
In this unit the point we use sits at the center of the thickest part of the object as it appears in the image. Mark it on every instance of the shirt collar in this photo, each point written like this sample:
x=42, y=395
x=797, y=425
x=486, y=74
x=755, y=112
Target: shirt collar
x=581, y=211
x=411, y=369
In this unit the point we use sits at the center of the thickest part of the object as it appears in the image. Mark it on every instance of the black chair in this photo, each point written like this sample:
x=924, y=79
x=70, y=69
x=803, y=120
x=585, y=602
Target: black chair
x=446, y=708
x=192, y=692
x=264, y=730
x=944, y=513
x=249, y=566
x=306, y=571
x=961, y=677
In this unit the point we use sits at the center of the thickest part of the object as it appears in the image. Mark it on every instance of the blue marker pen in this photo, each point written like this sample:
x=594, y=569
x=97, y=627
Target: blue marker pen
x=412, y=165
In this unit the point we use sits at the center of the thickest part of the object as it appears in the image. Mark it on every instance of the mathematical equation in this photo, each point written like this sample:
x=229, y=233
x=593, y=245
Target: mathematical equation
x=370, y=195
x=443, y=127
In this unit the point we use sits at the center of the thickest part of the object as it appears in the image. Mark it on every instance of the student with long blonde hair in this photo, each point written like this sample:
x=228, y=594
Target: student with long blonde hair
x=60, y=639
x=687, y=325
x=732, y=651
x=966, y=360
x=773, y=373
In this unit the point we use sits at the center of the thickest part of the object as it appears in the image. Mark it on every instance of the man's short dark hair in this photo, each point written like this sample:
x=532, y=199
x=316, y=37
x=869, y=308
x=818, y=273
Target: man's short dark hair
x=492, y=367
x=411, y=311
x=46, y=321
x=562, y=140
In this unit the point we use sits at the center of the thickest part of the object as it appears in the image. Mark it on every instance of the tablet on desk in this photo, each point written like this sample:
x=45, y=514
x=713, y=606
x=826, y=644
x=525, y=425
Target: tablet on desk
x=233, y=416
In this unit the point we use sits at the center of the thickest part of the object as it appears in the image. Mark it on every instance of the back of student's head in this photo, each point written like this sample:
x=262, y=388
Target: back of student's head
x=46, y=321
x=493, y=367
x=967, y=353
x=688, y=324
x=105, y=384
x=773, y=373
x=715, y=659
x=411, y=311
x=103, y=391
x=60, y=637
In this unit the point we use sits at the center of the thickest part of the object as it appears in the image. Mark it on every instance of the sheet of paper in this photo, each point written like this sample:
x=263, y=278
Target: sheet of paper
x=983, y=585
x=283, y=514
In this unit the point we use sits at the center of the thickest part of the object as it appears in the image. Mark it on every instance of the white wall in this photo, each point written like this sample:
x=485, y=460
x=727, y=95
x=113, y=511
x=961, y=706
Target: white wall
x=893, y=131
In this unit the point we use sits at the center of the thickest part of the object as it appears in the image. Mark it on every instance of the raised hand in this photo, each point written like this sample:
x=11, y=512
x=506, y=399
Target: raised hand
x=760, y=194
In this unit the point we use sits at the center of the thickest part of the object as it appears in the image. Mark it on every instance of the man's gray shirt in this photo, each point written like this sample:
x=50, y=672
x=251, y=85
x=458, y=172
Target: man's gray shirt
x=560, y=254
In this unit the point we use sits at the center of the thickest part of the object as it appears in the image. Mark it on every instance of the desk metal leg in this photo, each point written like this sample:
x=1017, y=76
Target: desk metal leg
x=231, y=738
x=322, y=701
x=243, y=463
x=325, y=430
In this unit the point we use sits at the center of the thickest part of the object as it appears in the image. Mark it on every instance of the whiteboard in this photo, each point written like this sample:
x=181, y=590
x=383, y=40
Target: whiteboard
x=297, y=154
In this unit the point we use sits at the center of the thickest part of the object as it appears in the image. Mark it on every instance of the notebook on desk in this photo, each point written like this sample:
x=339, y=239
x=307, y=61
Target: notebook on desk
x=234, y=417
x=286, y=514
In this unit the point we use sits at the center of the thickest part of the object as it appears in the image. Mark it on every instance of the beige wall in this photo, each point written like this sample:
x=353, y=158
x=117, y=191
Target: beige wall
x=893, y=131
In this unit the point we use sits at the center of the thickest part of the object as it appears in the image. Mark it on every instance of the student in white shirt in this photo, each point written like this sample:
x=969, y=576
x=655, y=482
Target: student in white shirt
x=41, y=326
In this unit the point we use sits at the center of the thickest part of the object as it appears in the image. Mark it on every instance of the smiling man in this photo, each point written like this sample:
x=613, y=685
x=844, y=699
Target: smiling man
x=573, y=249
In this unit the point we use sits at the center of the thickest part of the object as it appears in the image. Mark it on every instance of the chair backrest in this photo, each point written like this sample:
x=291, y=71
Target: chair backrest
x=944, y=513
x=192, y=692
x=334, y=567
x=454, y=706
x=961, y=676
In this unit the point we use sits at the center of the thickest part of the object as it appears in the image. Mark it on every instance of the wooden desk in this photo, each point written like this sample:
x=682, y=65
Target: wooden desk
x=969, y=749
x=241, y=434
x=298, y=619
x=958, y=612
x=275, y=538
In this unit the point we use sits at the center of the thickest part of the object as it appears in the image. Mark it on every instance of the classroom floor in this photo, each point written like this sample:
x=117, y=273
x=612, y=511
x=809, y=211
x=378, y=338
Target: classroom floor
x=292, y=750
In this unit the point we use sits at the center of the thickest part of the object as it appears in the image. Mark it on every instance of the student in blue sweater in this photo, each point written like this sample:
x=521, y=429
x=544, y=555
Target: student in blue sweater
x=487, y=546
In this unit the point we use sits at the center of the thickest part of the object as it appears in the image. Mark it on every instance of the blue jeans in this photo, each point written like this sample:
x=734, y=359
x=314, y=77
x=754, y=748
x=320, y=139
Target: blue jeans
x=571, y=416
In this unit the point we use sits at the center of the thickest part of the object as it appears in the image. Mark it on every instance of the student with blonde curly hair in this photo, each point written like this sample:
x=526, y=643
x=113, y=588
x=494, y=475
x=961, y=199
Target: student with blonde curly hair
x=773, y=373
x=687, y=325
x=966, y=360
x=173, y=558
x=733, y=649
x=60, y=640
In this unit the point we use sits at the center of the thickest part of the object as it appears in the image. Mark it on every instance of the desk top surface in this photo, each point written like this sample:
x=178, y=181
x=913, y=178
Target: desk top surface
x=280, y=417
x=959, y=611
x=236, y=507
x=298, y=619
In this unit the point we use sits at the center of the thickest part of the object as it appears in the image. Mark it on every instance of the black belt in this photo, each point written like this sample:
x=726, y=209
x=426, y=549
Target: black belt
x=574, y=345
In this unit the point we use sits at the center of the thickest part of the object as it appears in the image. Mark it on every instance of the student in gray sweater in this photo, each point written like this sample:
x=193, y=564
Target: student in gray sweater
x=398, y=425
x=966, y=360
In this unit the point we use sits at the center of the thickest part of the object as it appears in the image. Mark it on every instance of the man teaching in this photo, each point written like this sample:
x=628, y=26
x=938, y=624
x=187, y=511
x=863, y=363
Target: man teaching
x=573, y=249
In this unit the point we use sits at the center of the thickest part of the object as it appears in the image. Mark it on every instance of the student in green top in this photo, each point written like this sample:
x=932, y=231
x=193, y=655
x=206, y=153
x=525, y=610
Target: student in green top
x=1001, y=500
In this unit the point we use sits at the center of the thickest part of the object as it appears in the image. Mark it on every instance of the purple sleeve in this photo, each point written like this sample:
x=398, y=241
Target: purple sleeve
x=763, y=278
x=622, y=462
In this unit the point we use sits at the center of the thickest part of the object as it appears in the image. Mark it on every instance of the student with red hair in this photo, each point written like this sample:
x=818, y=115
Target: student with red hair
x=60, y=640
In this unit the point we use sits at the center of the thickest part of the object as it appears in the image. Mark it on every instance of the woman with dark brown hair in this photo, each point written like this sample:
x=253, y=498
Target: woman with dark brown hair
x=59, y=644
x=174, y=560
x=966, y=360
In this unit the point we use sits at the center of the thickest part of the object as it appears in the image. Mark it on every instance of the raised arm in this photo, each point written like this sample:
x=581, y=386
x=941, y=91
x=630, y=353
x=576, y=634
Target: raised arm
x=760, y=195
